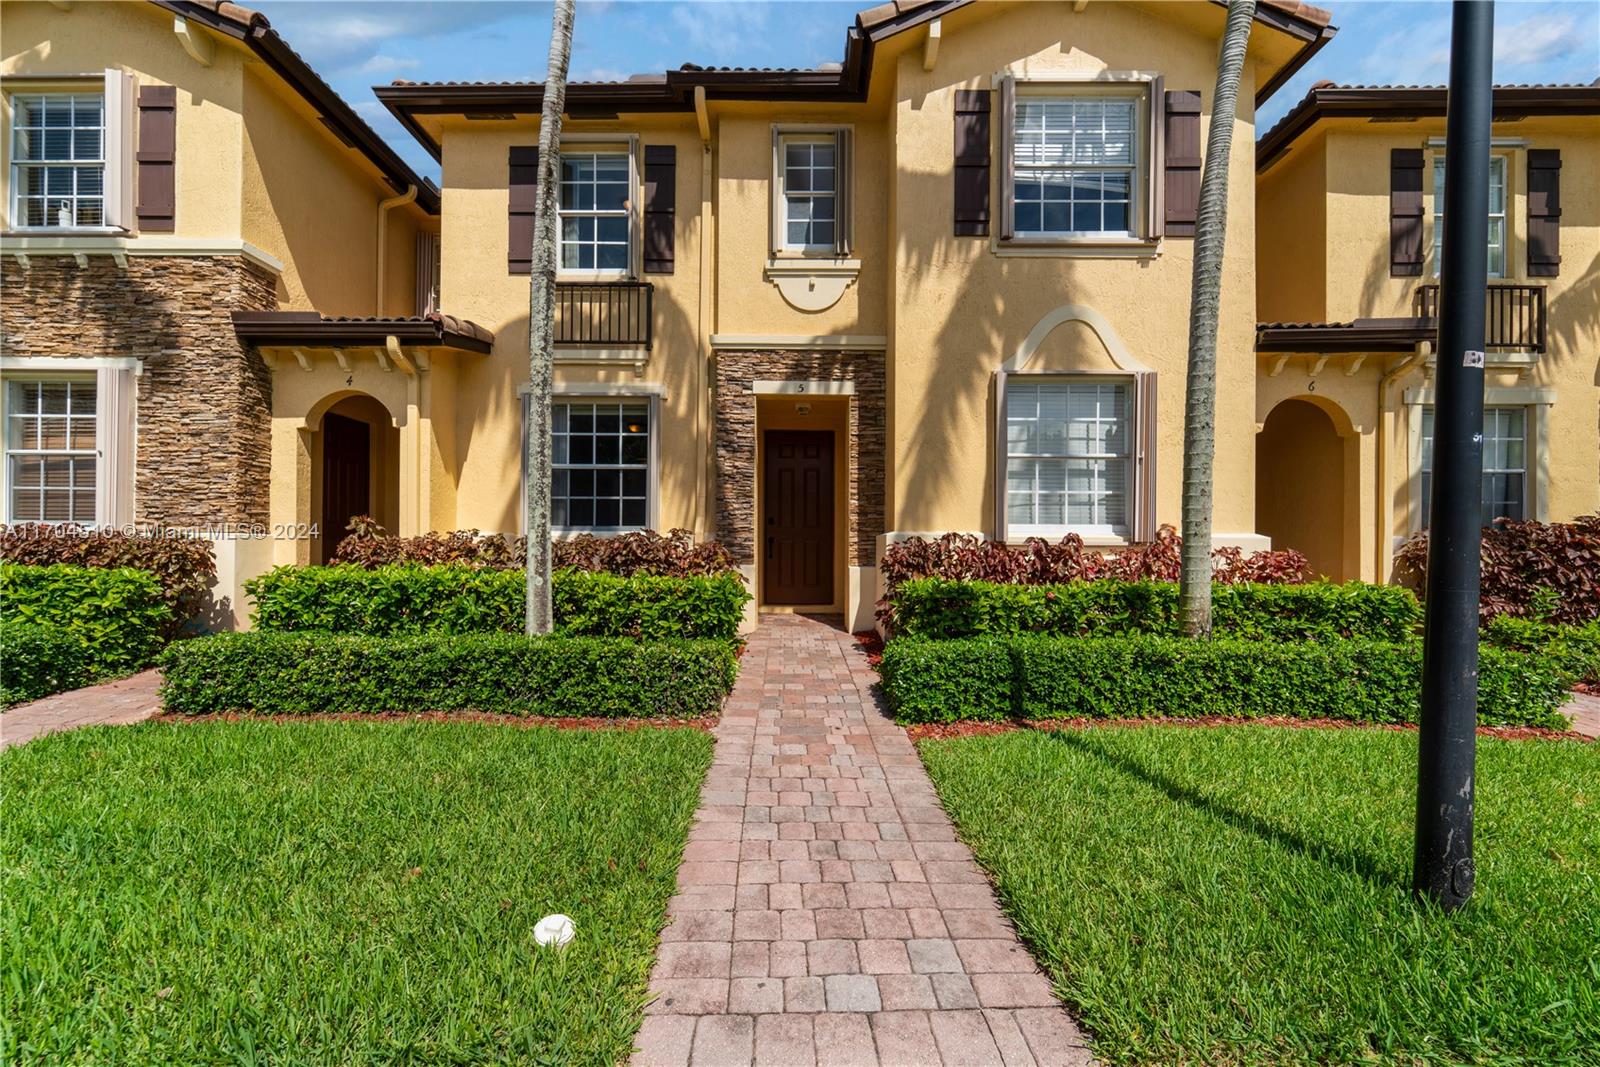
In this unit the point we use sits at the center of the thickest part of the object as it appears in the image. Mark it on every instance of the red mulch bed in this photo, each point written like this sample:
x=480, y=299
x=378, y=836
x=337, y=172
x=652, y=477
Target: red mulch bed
x=705, y=723
x=871, y=643
x=945, y=731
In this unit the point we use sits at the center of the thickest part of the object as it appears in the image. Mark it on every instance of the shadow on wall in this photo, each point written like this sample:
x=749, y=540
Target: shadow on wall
x=505, y=371
x=978, y=329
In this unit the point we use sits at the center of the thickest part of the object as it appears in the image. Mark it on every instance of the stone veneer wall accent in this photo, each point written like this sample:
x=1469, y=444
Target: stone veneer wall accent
x=204, y=400
x=735, y=439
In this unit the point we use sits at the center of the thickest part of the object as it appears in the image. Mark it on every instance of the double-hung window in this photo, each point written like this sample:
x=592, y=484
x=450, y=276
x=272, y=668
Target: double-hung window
x=601, y=460
x=1497, y=214
x=1069, y=456
x=810, y=192
x=595, y=213
x=1505, y=463
x=1074, y=164
x=58, y=160
x=51, y=453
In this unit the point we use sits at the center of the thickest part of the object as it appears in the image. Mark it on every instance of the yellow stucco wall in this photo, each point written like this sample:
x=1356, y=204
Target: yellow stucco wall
x=306, y=200
x=960, y=309
x=1352, y=157
x=476, y=285
x=1292, y=238
x=252, y=160
x=40, y=39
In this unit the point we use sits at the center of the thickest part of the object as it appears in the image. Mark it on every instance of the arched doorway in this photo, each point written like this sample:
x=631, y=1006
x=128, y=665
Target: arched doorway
x=356, y=462
x=1302, y=492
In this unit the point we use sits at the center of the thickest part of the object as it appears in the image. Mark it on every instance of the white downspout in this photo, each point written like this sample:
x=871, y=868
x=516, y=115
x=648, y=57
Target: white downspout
x=383, y=232
x=1384, y=513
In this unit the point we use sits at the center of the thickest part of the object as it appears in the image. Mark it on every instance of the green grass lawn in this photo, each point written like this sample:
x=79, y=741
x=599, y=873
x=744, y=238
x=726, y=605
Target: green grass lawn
x=1241, y=894
x=336, y=892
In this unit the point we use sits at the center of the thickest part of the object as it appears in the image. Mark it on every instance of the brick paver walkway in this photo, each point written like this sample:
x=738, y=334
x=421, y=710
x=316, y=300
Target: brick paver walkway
x=1584, y=711
x=116, y=703
x=826, y=913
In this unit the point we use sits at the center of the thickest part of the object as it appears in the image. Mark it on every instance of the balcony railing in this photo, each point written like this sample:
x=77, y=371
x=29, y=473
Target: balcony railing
x=604, y=314
x=1515, y=315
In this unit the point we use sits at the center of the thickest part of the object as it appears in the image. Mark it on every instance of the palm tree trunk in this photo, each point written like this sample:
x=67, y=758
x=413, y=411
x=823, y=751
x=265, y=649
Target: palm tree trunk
x=1200, y=400
x=541, y=322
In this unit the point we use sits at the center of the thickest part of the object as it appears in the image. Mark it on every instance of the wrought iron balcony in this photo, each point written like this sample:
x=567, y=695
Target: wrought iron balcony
x=604, y=314
x=1515, y=315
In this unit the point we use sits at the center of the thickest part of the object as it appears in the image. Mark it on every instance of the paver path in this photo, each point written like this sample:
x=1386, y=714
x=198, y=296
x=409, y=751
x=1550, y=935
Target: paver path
x=825, y=911
x=116, y=703
x=1584, y=711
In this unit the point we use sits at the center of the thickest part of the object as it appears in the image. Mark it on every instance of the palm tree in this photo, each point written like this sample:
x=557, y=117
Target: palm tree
x=541, y=321
x=1200, y=398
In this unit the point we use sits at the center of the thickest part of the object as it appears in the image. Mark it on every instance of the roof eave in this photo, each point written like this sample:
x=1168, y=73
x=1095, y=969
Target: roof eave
x=1331, y=102
x=259, y=36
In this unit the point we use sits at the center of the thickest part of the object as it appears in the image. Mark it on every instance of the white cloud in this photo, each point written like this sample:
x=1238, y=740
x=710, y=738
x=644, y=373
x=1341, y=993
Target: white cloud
x=1541, y=40
x=383, y=65
x=721, y=31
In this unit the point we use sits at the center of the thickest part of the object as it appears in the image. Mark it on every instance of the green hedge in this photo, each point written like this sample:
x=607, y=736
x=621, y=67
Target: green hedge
x=119, y=615
x=406, y=599
x=937, y=607
x=1143, y=676
x=276, y=673
x=1576, y=648
x=36, y=661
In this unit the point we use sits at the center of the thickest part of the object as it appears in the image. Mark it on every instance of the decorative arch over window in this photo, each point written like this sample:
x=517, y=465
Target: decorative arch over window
x=1075, y=452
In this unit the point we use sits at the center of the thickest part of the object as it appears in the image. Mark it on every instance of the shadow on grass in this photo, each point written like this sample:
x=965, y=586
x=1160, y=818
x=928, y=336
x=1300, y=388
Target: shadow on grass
x=1341, y=858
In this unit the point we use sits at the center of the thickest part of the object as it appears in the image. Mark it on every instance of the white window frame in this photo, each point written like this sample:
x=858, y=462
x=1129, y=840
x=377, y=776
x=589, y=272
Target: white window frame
x=1129, y=457
x=1425, y=474
x=784, y=252
x=598, y=393
x=20, y=166
x=13, y=416
x=601, y=145
x=1536, y=400
x=1138, y=162
x=116, y=387
x=785, y=141
x=117, y=90
x=1500, y=161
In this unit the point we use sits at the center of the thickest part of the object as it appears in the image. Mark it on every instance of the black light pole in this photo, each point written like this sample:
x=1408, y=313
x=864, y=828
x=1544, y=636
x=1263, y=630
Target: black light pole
x=1443, y=869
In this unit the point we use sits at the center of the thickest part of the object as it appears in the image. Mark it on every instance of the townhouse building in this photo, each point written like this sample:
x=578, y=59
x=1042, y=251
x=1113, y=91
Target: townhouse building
x=165, y=166
x=1349, y=197
x=940, y=285
x=943, y=286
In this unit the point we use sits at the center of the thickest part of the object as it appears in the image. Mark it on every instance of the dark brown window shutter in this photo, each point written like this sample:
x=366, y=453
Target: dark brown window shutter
x=1544, y=212
x=1181, y=166
x=1405, y=212
x=524, y=183
x=158, y=142
x=660, y=206
x=972, y=163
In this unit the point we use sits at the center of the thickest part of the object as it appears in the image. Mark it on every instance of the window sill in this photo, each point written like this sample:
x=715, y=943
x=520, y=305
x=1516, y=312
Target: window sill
x=1080, y=248
x=1016, y=538
x=812, y=283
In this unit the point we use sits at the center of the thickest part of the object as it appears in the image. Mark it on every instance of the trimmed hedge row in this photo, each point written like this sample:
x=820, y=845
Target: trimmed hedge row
x=119, y=615
x=184, y=565
x=996, y=678
x=1576, y=648
x=277, y=673
x=1321, y=611
x=407, y=599
x=36, y=661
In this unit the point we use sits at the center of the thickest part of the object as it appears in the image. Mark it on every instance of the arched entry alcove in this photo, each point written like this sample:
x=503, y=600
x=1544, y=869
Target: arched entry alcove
x=1303, y=485
x=355, y=464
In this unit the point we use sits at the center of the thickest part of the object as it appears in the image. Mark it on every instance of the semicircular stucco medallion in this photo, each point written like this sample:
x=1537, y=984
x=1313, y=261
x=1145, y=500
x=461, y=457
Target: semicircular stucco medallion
x=812, y=285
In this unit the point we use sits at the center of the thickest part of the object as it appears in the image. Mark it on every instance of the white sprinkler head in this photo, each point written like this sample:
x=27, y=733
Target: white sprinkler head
x=554, y=930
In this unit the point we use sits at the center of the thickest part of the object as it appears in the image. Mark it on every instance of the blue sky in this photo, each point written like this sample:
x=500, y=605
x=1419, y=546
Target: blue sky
x=356, y=44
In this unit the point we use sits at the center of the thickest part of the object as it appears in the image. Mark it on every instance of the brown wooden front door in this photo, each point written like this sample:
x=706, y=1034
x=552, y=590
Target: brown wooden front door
x=346, y=477
x=797, y=520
